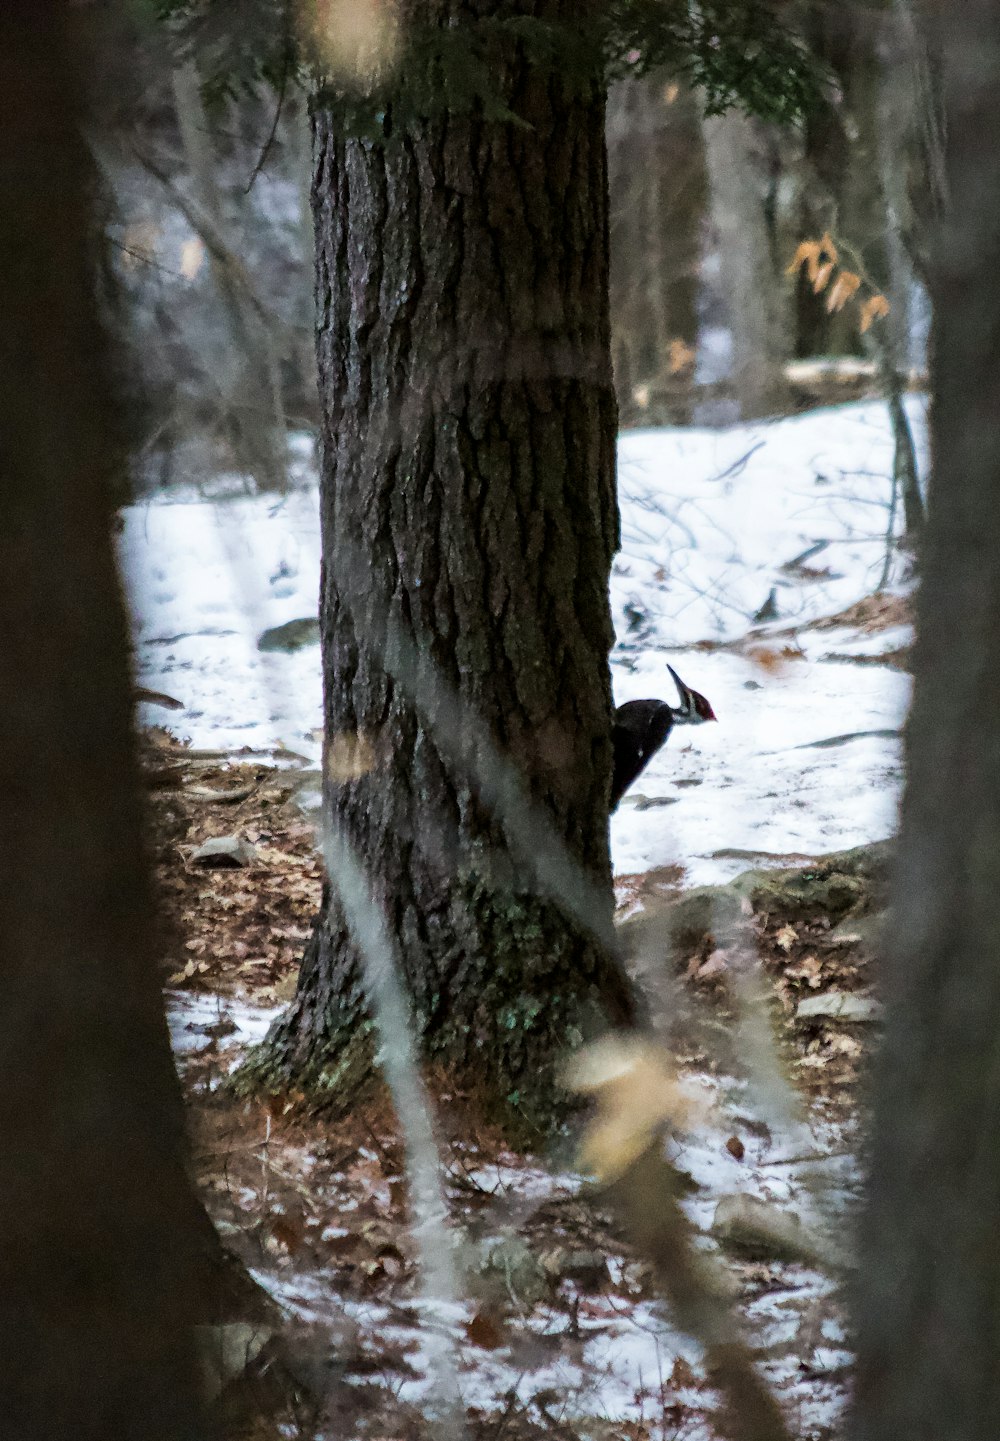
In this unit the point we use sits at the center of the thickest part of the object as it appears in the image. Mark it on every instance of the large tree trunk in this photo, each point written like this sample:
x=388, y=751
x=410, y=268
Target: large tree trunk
x=469, y=522
x=101, y=1242
x=929, y=1339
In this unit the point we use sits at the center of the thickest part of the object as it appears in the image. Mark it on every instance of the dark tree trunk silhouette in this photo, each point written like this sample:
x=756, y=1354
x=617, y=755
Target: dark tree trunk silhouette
x=104, y=1244
x=469, y=522
x=929, y=1322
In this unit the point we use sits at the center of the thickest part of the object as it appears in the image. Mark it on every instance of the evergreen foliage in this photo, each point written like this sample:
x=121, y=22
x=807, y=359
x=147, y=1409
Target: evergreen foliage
x=241, y=45
x=746, y=53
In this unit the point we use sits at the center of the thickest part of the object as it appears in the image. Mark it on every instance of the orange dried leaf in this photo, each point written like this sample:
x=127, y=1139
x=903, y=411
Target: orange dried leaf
x=809, y=969
x=772, y=659
x=286, y=1232
x=681, y=357
x=485, y=1331
x=822, y=275
x=807, y=253
x=843, y=288
x=874, y=307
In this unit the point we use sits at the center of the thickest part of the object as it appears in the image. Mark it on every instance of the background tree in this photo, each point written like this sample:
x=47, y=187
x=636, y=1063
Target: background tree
x=656, y=169
x=752, y=239
x=839, y=189
x=929, y=1291
x=207, y=268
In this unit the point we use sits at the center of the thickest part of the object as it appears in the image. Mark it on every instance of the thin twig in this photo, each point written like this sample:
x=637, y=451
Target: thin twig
x=268, y=143
x=142, y=259
x=904, y=460
x=206, y=231
x=890, y=531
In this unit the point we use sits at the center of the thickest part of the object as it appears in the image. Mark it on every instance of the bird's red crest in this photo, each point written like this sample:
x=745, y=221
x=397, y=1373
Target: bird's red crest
x=693, y=707
x=702, y=707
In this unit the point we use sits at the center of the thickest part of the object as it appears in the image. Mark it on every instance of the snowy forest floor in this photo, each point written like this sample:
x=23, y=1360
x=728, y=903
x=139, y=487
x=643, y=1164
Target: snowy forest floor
x=791, y=516
x=559, y=1332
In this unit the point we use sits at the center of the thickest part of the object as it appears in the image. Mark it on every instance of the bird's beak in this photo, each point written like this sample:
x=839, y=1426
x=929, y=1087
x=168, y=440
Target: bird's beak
x=687, y=699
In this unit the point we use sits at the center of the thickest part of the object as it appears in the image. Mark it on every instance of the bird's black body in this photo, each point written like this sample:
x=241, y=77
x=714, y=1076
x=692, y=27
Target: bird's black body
x=642, y=726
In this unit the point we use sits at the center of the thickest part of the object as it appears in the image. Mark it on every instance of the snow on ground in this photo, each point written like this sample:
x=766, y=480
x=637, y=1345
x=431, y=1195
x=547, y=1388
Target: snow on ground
x=614, y=1357
x=805, y=758
x=204, y=579
x=616, y=1368
x=757, y=782
x=199, y=1018
x=594, y=1353
x=710, y=518
x=712, y=523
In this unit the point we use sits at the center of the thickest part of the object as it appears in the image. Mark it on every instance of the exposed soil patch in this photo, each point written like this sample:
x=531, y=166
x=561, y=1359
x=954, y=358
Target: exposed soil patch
x=899, y=659
x=664, y=883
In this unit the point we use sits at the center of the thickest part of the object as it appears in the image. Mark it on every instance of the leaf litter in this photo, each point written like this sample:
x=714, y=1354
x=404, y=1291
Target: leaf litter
x=561, y=1332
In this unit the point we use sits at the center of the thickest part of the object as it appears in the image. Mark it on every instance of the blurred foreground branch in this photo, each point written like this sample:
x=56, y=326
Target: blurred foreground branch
x=646, y=1196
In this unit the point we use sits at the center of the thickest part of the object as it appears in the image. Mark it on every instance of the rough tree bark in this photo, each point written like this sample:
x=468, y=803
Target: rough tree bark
x=469, y=522
x=929, y=1323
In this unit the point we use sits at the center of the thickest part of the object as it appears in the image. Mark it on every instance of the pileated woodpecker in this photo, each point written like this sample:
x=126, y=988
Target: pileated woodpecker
x=641, y=727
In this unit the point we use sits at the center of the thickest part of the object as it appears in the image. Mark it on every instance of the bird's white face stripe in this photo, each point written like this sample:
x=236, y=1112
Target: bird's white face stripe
x=687, y=712
x=683, y=712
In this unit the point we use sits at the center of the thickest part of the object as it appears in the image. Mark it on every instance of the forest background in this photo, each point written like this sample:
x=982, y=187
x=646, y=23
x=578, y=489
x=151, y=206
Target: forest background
x=842, y=253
